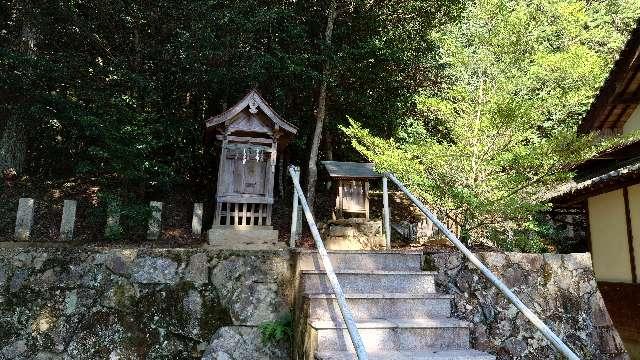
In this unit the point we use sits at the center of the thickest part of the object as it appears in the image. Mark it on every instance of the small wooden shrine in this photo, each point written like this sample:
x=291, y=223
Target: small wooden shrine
x=352, y=186
x=249, y=134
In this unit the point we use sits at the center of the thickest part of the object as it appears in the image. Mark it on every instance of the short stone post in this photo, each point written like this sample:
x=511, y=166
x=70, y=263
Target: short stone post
x=112, y=230
x=385, y=213
x=68, y=220
x=296, y=213
x=196, y=221
x=155, y=222
x=24, y=219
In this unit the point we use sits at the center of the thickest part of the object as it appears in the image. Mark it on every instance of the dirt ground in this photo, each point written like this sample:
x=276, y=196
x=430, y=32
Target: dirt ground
x=49, y=197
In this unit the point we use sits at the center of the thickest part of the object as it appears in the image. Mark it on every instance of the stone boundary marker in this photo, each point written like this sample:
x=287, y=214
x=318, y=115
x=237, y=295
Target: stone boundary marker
x=68, y=220
x=196, y=221
x=113, y=220
x=24, y=219
x=155, y=222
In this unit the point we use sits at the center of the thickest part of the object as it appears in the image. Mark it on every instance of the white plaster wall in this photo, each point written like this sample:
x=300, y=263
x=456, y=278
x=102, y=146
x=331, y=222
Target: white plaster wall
x=609, y=244
x=633, y=123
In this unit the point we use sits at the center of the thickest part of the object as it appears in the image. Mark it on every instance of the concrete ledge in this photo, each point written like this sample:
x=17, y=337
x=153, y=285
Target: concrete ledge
x=361, y=260
x=431, y=323
x=435, y=354
x=360, y=251
x=372, y=272
x=381, y=296
x=380, y=282
x=386, y=336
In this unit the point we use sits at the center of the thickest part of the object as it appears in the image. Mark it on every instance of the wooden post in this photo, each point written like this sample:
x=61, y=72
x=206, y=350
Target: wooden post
x=385, y=212
x=196, y=221
x=68, y=220
x=366, y=200
x=217, y=215
x=24, y=219
x=244, y=213
x=340, y=202
x=295, y=216
x=155, y=222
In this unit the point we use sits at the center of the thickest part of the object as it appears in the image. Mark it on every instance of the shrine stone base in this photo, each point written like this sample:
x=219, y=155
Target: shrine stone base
x=244, y=238
x=354, y=234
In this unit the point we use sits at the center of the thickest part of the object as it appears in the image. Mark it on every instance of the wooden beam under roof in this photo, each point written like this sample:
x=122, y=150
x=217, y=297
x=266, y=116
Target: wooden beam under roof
x=610, y=107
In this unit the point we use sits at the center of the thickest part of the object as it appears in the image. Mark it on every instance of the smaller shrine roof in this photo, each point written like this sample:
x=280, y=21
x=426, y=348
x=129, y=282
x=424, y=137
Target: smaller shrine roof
x=254, y=101
x=350, y=170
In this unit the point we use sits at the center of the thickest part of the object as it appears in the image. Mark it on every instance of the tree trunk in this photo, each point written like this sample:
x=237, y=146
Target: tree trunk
x=13, y=145
x=320, y=112
x=13, y=148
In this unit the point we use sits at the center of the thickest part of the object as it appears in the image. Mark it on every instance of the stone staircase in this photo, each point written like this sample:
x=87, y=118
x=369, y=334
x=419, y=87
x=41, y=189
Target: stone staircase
x=395, y=304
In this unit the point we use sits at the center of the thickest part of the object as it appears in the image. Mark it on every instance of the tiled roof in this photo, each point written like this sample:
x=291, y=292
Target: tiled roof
x=574, y=190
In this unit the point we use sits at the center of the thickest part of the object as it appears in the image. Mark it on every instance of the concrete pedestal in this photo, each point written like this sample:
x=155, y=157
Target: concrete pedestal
x=244, y=237
x=355, y=234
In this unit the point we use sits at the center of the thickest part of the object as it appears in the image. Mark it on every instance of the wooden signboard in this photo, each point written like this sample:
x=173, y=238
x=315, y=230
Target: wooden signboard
x=352, y=186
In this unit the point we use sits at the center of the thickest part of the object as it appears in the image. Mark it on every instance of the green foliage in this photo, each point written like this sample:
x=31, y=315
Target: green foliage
x=536, y=235
x=111, y=205
x=499, y=132
x=272, y=332
x=134, y=215
x=120, y=91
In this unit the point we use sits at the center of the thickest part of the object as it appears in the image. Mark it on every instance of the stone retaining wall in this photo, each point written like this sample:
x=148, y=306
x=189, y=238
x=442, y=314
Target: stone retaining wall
x=561, y=289
x=93, y=303
x=90, y=303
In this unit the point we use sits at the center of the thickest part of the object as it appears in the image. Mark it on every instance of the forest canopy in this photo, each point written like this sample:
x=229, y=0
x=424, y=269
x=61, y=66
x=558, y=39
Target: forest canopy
x=122, y=89
x=499, y=132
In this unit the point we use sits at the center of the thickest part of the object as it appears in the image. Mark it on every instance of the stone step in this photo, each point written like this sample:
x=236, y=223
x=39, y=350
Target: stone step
x=393, y=334
x=389, y=260
x=370, y=282
x=434, y=354
x=376, y=306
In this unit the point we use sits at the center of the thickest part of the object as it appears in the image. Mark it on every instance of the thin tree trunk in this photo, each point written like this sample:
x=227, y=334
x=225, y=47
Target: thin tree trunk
x=328, y=137
x=281, y=177
x=320, y=111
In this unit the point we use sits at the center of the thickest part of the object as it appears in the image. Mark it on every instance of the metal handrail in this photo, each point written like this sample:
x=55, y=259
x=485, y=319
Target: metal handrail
x=544, y=329
x=347, y=315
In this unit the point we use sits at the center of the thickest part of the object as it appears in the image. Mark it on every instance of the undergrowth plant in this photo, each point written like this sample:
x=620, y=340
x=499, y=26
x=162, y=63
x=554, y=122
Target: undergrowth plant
x=273, y=332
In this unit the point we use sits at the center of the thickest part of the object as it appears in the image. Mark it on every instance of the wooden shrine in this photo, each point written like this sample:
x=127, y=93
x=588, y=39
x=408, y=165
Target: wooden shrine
x=249, y=134
x=352, y=186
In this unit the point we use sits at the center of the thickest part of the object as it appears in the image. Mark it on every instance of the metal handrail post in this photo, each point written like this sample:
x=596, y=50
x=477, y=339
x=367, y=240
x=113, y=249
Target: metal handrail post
x=385, y=213
x=295, y=229
x=544, y=329
x=347, y=315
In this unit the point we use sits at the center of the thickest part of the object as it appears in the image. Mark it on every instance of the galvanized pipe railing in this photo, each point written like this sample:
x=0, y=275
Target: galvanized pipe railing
x=347, y=315
x=544, y=329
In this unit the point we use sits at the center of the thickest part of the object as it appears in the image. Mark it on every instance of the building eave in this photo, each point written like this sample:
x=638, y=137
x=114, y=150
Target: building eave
x=619, y=96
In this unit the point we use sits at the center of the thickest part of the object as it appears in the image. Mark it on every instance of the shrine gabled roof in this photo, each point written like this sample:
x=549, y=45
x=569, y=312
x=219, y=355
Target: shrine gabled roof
x=253, y=100
x=350, y=170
